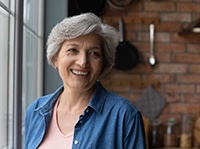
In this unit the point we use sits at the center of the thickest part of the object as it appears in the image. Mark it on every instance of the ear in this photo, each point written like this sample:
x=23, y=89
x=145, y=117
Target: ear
x=55, y=62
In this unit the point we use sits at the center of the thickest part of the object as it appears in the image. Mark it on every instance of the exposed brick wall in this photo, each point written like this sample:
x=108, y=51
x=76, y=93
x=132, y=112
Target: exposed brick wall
x=178, y=67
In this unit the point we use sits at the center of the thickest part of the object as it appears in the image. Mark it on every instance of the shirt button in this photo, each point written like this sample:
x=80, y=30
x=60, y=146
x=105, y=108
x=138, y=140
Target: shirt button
x=80, y=122
x=87, y=111
x=76, y=142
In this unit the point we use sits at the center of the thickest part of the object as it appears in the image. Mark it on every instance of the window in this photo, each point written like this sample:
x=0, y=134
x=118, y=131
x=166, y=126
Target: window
x=6, y=62
x=32, y=63
x=33, y=51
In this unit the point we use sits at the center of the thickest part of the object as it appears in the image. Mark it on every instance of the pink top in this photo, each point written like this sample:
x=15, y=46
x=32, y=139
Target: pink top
x=54, y=138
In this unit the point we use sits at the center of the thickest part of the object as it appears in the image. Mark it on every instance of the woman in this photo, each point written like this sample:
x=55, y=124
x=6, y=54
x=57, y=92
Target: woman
x=82, y=114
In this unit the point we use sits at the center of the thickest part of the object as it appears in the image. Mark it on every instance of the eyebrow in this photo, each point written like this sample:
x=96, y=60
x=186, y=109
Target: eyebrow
x=71, y=44
x=76, y=45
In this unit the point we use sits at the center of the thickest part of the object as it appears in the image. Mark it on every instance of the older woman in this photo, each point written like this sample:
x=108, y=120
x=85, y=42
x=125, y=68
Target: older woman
x=82, y=114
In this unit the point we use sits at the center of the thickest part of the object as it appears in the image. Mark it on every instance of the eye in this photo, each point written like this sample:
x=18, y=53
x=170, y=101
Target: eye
x=72, y=51
x=95, y=54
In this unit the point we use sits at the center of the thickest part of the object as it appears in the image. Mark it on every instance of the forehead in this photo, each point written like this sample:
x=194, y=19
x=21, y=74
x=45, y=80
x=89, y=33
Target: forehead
x=89, y=38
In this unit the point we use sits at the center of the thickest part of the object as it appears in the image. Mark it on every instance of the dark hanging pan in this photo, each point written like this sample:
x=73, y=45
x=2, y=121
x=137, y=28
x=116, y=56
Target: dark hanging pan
x=121, y=4
x=127, y=54
x=95, y=6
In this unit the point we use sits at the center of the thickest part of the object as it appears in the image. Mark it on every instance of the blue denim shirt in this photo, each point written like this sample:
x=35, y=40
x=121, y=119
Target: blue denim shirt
x=109, y=122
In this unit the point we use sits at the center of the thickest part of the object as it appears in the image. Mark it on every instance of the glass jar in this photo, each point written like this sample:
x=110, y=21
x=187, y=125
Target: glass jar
x=155, y=135
x=169, y=137
x=186, y=135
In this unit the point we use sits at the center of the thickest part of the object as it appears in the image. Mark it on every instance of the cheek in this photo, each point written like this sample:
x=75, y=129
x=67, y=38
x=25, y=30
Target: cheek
x=64, y=60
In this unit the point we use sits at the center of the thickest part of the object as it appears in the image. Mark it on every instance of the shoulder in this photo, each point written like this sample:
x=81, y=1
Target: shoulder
x=106, y=100
x=120, y=102
x=39, y=102
x=33, y=110
x=111, y=100
x=45, y=101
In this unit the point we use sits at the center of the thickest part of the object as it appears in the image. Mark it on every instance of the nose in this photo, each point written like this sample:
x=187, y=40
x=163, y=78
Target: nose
x=82, y=60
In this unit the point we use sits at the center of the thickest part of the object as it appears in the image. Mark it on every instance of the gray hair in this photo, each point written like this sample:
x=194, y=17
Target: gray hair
x=84, y=24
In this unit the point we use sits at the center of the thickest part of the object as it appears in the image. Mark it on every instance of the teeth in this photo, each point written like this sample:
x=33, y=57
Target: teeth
x=80, y=73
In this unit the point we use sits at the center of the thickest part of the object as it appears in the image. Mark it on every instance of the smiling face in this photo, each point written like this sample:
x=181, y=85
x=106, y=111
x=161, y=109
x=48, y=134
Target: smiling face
x=80, y=61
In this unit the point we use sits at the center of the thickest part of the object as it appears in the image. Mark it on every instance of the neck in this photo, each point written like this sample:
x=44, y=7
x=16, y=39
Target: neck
x=72, y=100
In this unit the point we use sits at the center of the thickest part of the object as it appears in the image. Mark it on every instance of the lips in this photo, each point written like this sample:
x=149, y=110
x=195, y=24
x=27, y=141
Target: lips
x=80, y=73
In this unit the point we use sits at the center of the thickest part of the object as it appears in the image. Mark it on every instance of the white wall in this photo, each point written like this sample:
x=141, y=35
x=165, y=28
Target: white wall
x=55, y=11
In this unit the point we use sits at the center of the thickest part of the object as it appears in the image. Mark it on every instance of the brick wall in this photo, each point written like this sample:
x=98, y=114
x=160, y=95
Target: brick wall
x=178, y=67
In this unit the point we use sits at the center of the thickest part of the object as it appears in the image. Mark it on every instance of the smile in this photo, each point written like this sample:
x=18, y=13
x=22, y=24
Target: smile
x=80, y=73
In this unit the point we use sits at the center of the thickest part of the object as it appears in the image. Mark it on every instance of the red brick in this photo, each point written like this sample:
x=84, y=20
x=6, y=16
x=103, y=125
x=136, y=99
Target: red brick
x=169, y=27
x=188, y=78
x=170, y=48
x=187, y=58
x=142, y=46
x=188, y=7
x=143, y=14
x=182, y=88
x=191, y=98
x=195, y=69
x=175, y=17
x=158, y=6
x=193, y=48
x=130, y=29
x=159, y=37
x=162, y=57
x=162, y=37
x=198, y=89
x=184, y=108
x=171, y=68
x=163, y=78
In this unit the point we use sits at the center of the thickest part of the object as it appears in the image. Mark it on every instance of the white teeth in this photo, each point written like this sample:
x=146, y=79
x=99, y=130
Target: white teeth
x=80, y=73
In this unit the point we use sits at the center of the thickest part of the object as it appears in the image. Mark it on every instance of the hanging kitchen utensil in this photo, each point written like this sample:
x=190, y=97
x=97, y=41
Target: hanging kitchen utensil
x=121, y=4
x=151, y=103
x=95, y=6
x=152, y=59
x=127, y=54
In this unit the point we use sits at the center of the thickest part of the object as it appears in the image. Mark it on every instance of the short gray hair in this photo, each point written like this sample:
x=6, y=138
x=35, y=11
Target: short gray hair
x=83, y=24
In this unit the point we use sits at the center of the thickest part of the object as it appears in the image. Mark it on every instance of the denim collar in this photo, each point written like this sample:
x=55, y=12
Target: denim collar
x=97, y=101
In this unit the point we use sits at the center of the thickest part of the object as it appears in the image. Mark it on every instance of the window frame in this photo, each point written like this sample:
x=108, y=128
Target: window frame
x=14, y=90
